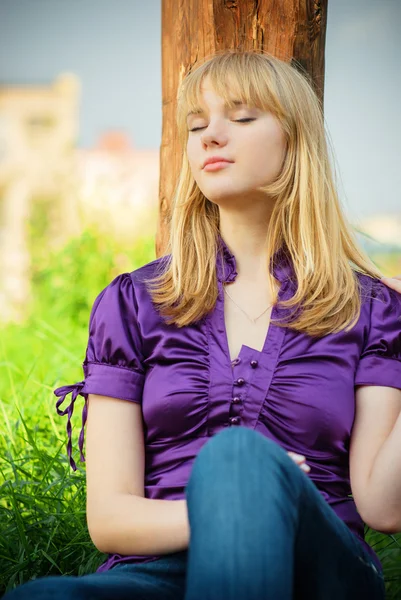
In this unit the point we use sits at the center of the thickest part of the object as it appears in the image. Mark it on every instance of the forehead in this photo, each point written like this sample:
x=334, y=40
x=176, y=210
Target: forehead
x=200, y=110
x=228, y=97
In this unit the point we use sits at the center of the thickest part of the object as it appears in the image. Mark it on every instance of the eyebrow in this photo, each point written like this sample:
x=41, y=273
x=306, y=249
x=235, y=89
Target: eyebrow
x=200, y=110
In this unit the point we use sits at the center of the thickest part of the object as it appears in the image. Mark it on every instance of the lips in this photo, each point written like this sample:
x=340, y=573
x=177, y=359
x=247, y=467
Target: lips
x=214, y=159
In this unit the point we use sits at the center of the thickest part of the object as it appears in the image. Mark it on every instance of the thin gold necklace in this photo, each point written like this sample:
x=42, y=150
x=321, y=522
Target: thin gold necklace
x=250, y=318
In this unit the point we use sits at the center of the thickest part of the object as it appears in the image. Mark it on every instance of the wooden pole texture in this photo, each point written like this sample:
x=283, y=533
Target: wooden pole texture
x=292, y=30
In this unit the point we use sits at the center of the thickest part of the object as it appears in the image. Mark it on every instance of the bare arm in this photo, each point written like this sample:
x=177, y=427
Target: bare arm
x=120, y=519
x=135, y=525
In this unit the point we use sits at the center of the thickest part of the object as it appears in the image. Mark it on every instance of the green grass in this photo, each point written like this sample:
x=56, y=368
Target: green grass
x=43, y=527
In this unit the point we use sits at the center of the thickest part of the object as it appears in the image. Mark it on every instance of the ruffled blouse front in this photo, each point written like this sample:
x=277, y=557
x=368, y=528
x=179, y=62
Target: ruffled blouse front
x=299, y=391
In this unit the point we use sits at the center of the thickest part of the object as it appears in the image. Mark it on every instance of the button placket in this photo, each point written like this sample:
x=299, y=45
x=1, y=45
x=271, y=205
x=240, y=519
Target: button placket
x=236, y=405
x=236, y=402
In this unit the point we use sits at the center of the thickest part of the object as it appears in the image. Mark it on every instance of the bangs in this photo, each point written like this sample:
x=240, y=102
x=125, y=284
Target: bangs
x=248, y=78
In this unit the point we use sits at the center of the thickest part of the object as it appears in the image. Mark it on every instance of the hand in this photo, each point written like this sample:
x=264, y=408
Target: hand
x=299, y=459
x=393, y=282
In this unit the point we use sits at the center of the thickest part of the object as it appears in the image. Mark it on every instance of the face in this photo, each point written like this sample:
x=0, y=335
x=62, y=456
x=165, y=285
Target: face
x=251, y=139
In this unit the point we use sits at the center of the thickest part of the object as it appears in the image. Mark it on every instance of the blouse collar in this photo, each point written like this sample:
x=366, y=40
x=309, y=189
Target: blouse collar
x=227, y=269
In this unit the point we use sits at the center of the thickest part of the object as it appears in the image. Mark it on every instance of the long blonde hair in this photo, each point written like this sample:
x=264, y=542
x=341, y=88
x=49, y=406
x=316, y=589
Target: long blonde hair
x=307, y=218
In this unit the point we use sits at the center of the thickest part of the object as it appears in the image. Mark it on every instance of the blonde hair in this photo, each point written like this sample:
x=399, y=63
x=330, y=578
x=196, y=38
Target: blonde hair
x=307, y=218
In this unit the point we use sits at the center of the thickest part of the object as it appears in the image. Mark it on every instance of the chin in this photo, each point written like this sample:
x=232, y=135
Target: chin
x=224, y=198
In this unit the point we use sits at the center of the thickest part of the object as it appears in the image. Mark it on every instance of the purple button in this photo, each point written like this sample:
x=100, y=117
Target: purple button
x=240, y=381
x=234, y=420
x=254, y=364
x=236, y=400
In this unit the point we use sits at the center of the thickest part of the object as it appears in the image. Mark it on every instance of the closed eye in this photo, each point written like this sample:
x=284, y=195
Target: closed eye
x=237, y=121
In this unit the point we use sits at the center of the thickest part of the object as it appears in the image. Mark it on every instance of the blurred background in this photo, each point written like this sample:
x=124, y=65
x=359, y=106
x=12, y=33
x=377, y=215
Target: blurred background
x=80, y=132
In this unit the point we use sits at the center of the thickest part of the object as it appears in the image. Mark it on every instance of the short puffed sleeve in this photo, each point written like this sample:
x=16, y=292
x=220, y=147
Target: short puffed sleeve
x=113, y=364
x=380, y=361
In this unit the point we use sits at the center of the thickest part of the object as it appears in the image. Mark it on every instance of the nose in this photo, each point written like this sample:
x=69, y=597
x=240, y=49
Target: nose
x=214, y=135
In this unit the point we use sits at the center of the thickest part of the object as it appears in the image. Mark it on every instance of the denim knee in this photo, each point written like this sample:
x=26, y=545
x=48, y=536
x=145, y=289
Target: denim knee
x=245, y=441
x=242, y=462
x=239, y=445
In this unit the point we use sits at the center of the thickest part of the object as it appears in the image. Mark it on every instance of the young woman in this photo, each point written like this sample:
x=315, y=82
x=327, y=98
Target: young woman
x=262, y=342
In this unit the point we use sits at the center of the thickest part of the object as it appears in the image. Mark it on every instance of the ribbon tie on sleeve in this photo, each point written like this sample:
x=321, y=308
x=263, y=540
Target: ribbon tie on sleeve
x=61, y=393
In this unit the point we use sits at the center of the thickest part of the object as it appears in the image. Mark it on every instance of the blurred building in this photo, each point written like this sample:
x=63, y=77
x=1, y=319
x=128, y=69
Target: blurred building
x=113, y=185
x=119, y=186
x=38, y=126
x=38, y=130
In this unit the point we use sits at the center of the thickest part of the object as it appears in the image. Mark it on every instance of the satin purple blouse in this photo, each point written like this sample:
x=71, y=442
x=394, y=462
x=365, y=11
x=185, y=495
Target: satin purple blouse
x=298, y=391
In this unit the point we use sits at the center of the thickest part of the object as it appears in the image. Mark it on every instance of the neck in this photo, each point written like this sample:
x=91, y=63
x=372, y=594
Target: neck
x=245, y=234
x=249, y=250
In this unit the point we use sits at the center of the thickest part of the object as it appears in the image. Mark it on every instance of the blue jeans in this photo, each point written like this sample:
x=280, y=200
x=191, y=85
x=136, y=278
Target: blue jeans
x=260, y=529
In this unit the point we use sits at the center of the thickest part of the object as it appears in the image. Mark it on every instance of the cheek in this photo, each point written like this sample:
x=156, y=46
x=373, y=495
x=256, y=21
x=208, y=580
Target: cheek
x=194, y=167
x=264, y=155
x=191, y=152
x=193, y=161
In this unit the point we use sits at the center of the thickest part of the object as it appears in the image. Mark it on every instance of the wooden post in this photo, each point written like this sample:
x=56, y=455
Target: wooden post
x=292, y=30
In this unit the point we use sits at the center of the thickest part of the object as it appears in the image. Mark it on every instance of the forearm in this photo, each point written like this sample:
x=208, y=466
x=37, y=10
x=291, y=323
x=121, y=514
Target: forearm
x=133, y=525
x=385, y=481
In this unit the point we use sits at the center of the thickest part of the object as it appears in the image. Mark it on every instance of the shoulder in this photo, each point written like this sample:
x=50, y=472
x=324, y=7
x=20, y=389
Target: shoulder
x=139, y=280
x=381, y=314
x=150, y=269
x=375, y=293
x=366, y=284
x=381, y=319
x=130, y=281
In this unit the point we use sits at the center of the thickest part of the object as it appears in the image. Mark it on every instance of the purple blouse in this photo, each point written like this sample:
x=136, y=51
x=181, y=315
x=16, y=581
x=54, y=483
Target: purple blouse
x=298, y=391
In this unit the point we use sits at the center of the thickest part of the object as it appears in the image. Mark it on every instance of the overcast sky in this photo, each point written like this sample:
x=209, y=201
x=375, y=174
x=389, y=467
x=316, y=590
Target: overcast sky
x=115, y=49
